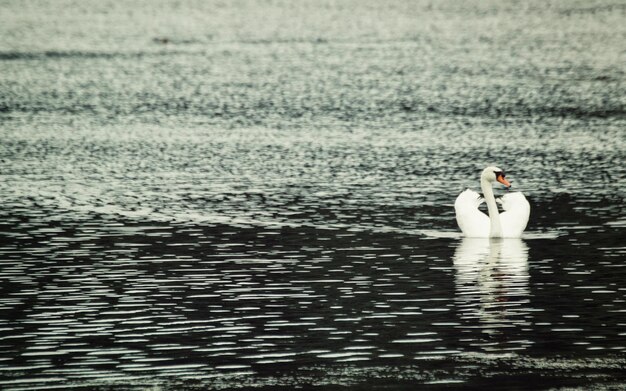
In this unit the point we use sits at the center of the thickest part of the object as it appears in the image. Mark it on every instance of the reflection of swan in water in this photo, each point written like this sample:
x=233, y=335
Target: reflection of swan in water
x=492, y=285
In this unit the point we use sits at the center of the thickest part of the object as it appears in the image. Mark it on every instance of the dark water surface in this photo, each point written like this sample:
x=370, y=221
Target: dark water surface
x=208, y=195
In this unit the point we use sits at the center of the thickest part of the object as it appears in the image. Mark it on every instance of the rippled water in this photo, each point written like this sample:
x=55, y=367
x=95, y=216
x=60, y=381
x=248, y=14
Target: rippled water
x=207, y=195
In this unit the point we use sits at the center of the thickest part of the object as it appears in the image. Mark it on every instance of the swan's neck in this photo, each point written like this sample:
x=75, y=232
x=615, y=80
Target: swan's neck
x=494, y=216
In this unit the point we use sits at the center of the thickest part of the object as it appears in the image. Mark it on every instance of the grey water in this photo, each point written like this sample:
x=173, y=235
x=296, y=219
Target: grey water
x=259, y=194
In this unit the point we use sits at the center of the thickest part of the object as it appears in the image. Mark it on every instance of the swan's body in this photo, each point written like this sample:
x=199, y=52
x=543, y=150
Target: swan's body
x=475, y=224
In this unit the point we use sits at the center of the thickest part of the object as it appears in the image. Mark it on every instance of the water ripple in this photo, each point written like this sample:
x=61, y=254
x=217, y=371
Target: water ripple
x=241, y=202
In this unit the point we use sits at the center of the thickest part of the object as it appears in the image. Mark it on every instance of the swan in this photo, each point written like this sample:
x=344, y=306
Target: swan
x=475, y=224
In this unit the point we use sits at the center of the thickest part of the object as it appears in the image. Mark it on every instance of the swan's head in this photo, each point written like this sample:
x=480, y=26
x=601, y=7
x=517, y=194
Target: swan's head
x=493, y=173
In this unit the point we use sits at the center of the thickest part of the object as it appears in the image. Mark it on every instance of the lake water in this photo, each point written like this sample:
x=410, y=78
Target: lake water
x=259, y=194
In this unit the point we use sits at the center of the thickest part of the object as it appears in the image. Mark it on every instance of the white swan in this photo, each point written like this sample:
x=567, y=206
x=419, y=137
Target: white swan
x=475, y=224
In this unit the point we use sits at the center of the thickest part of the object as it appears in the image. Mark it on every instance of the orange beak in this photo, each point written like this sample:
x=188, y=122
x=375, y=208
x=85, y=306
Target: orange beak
x=501, y=179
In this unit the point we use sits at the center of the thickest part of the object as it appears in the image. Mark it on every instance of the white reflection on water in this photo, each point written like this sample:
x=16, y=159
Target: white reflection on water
x=492, y=290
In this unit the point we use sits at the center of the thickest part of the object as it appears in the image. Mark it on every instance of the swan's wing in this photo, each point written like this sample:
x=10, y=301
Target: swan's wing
x=515, y=216
x=472, y=221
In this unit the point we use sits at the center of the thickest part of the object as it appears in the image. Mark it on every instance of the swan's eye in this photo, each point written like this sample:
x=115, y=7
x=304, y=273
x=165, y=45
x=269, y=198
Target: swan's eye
x=499, y=173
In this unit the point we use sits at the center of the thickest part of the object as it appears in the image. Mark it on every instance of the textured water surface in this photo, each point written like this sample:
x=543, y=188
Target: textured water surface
x=207, y=195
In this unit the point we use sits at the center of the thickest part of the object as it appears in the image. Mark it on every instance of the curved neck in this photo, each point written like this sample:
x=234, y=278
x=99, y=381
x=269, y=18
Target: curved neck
x=494, y=216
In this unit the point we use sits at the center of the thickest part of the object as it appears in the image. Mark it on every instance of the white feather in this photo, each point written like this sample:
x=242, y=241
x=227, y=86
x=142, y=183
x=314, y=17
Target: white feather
x=473, y=222
x=515, y=216
x=476, y=224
